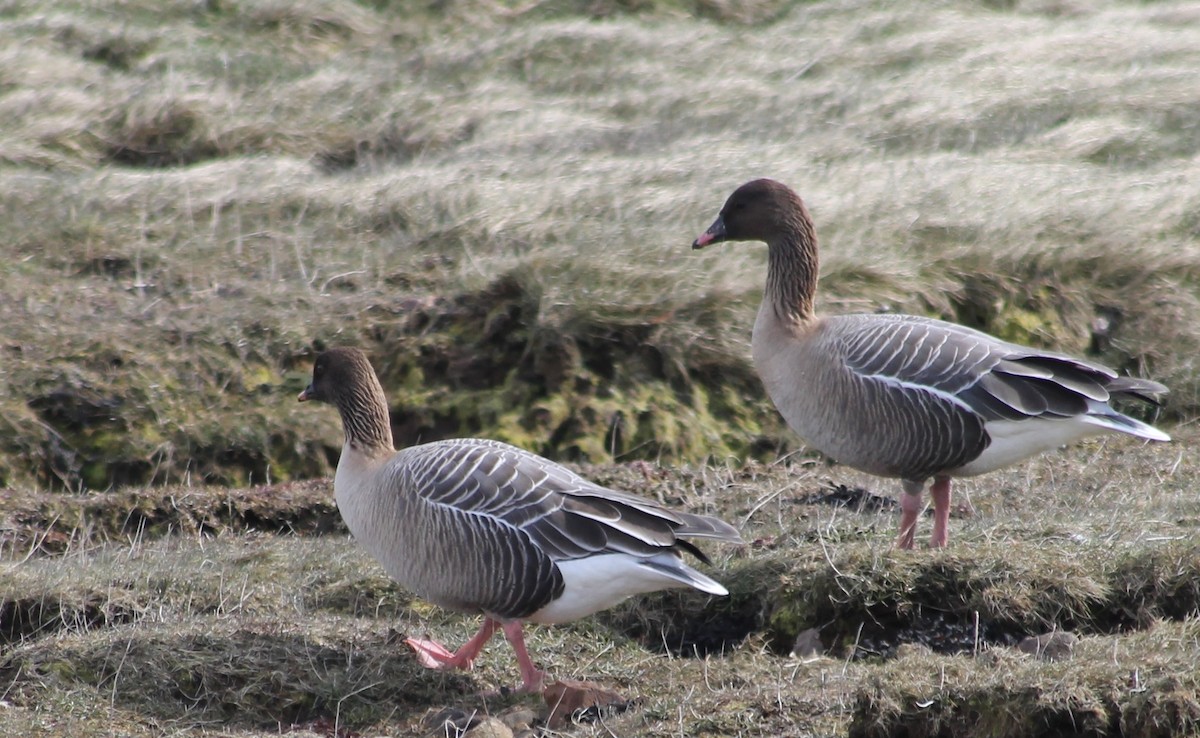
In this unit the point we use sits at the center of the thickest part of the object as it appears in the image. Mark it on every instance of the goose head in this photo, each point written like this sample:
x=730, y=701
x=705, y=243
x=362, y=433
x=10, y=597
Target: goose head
x=343, y=377
x=338, y=373
x=760, y=210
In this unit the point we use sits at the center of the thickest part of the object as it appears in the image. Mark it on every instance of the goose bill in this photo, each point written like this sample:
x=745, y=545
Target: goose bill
x=714, y=234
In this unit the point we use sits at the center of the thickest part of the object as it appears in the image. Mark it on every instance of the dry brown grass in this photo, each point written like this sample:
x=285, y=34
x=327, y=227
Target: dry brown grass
x=210, y=617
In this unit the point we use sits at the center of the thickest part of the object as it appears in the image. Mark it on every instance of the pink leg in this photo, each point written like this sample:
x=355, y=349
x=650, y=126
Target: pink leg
x=433, y=655
x=910, y=507
x=531, y=676
x=940, y=492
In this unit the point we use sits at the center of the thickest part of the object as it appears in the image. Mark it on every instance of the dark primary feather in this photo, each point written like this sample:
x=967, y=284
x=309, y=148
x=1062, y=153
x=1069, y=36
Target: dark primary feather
x=1144, y=390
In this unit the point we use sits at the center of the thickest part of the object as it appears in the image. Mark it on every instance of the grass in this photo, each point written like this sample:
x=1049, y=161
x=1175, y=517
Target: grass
x=495, y=200
x=247, y=612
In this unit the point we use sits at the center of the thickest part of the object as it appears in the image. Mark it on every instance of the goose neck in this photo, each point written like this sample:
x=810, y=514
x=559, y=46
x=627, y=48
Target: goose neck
x=792, y=270
x=366, y=421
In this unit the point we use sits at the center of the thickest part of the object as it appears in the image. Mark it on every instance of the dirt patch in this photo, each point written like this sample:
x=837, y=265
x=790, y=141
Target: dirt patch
x=23, y=618
x=689, y=624
x=938, y=632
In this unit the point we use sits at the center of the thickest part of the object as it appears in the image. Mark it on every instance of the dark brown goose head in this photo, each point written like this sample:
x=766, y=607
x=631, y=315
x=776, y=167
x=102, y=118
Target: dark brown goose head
x=760, y=210
x=343, y=377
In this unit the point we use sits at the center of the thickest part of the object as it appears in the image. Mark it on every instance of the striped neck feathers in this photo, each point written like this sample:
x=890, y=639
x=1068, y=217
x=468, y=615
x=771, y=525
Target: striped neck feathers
x=365, y=418
x=792, y=269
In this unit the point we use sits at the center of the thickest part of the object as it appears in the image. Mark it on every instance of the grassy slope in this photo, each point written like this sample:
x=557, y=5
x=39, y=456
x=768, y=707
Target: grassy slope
x=497, y=202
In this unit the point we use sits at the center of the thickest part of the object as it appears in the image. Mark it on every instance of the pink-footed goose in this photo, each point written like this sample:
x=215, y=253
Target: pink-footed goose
x=483, y=527
x=905, y=396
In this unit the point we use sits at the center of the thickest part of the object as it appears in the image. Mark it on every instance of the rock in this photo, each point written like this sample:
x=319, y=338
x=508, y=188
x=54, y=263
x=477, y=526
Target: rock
x=574, y=701
x=450, y=722
x=808, y=644
x=489, y=727
x=518, y=718
x=1049, y=646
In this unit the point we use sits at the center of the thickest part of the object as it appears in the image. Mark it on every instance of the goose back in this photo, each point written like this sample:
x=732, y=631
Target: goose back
x=477, y=525
x=910, y=397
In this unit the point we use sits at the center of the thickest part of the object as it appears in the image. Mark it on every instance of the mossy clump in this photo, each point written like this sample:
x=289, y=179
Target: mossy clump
x=573, y=387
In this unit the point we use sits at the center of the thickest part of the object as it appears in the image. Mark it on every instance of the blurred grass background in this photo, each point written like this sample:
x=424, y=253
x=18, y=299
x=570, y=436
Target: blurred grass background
x=496, y=200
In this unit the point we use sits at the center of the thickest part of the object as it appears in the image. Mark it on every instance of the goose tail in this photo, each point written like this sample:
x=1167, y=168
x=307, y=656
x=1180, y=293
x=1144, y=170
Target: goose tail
x=671, y=566
x=1100, y=414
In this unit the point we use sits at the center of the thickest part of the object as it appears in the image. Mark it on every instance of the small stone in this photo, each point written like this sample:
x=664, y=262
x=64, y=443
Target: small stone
x=808, y=644
x=1054, y=646
x=518, y=717
x=489, y=727
x=574, y=701
x=449, y=722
